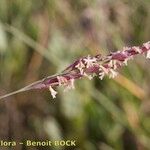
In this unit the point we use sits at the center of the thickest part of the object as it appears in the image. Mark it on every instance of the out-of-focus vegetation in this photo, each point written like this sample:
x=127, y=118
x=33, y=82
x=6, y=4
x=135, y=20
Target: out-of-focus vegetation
x=41, y=37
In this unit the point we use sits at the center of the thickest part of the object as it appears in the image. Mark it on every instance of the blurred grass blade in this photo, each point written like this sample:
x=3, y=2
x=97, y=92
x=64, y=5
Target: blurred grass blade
x=30, y=42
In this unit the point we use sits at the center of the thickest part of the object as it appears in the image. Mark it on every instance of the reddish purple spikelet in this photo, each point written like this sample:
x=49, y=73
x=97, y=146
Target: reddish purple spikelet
x=98, y=65
x=89, y=66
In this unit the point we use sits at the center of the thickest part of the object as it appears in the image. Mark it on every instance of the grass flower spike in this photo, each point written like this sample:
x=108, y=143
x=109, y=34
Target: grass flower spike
x=89, y=66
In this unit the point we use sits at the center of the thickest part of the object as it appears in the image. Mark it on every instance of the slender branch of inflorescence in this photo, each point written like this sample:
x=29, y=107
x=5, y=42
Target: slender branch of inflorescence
x=89, y=66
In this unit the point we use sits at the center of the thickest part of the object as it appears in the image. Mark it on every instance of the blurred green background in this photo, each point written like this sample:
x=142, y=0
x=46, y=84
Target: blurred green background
x=40, y=38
